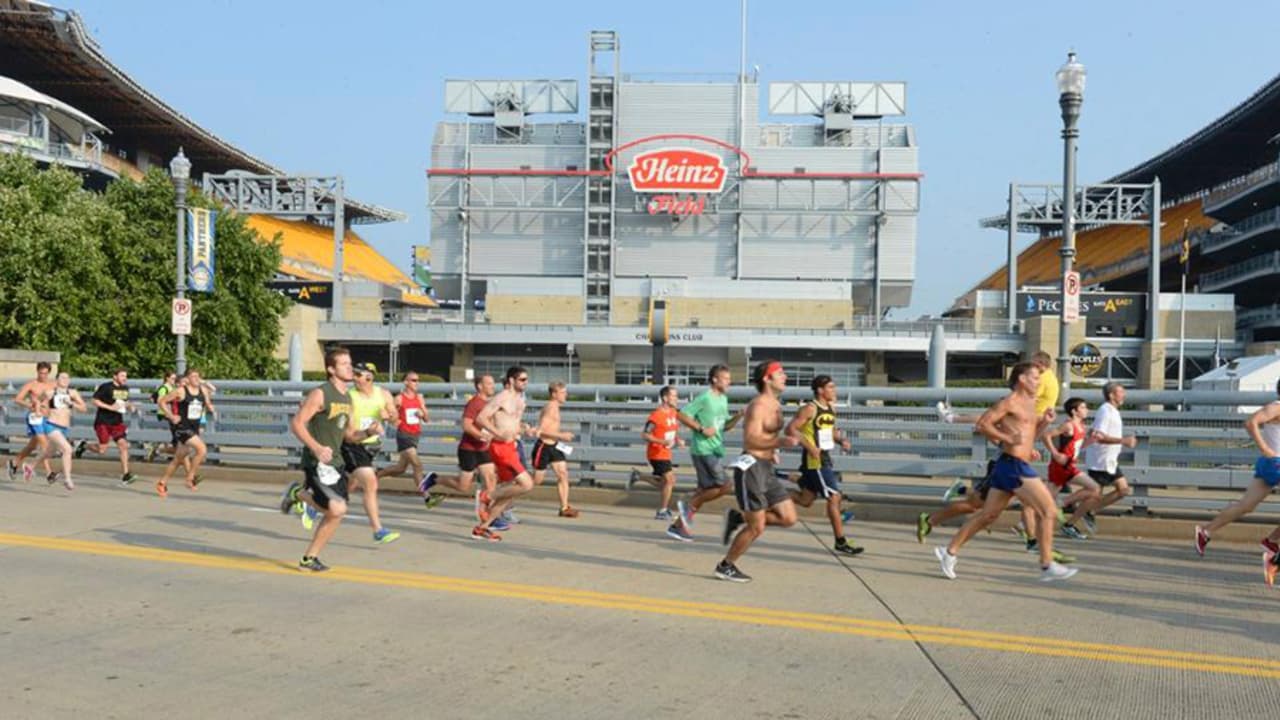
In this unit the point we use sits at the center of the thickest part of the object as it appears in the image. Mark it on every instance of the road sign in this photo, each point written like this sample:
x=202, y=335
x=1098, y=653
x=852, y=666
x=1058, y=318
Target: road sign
x=1071, y=308
x=181, y=323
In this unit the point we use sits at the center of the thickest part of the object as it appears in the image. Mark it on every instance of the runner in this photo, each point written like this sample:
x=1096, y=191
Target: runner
x=112, y=400
x=167, y=385
x=501, y=419
x=662, y=433
x=815, y=427
x=370, y=406
x=1102, y=452
x=1263, y=427
x=412, y=414
x=61, y=402
x=323, y=423
x=762, y=500
x=190, y=403
x=32, y=398
x=1013, y=424
x=473, y=453
x=708, y=416
x=1063, y=444
x=552, y=449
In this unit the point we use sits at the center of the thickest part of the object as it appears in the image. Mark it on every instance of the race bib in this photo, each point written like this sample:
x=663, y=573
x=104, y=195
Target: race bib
x=744, y=462
x=669, y=438
x=328, y=474
x=826, y=438
x=566, y=450
x=366, y=423
x=35, y=419
x=62, y=402
x=411, y=416
x=195, y=410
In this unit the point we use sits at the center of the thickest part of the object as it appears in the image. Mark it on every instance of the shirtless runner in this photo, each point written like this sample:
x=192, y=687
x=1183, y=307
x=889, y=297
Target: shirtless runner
x=552, y=449
x=501, y=418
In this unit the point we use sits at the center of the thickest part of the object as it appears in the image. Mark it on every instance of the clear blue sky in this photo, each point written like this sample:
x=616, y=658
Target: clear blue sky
x=356, y=87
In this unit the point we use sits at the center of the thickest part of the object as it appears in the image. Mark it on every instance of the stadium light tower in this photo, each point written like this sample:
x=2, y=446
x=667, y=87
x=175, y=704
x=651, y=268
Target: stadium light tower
x=1070, y=81
x=180, y=171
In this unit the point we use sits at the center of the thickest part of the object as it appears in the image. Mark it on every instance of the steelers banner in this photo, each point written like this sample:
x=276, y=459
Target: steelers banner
x=200, y=240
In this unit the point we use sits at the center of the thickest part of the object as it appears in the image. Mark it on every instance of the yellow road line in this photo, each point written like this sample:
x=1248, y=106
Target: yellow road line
x=817, y=622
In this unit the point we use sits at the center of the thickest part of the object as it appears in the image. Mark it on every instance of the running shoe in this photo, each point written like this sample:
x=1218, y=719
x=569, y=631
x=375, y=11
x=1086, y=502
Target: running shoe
x=309, y=515
x=663, y=515
x=1091, y=523
x=1056, y=572
x=194, y=483
x=289, y=500
x=162, y=489
x=312, y=564
x=27, y=472
x=510, y=517
x=66, y=483
x=843, y=547
x=677, y=531
x=1269, y=546
x=499, y=525
x=946, y=561
x=729, y=571
x=569, y=512
x=1020, y=531
x=1062, y=517
x=431, y=500
x=385, y=536
x=1032, y=544
x=633, y=479
x=80, y=446
x=482, y=505
x=152, y=452
x=51, y=478
x=923, y=527
x=1070, y=531
x=846, y=516
x=427, y=482
x=685, y=511
x=13, y=470
x=732, y=521
x=1269, y=568
x=1061, y=557
x=127, y=479
x=1202, y=540
x=945, y=413
x=956, y=488
x=481, y=532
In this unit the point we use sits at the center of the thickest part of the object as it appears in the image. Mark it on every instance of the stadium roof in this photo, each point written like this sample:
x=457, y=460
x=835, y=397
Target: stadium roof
x=50, y=50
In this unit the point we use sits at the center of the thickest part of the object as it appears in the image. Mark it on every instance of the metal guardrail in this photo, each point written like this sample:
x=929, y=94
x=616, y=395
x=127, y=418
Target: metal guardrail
x=1265, y=315
x=1259, y=265
x=896, y=435
x=1236, y=186
x=1211, y=242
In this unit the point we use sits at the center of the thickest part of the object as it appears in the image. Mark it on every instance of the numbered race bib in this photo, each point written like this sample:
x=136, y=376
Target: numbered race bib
x=826, y=438
x=411, y=416
x=195, y=410
x=366, y=423
x=744, y=462
x=62, y=402
x=669, y=438
x=566, y=450
x=35, y=419
x=328, y=474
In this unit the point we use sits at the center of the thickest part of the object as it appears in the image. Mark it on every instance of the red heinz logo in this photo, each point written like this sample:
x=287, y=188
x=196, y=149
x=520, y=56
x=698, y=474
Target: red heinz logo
x=671, y=170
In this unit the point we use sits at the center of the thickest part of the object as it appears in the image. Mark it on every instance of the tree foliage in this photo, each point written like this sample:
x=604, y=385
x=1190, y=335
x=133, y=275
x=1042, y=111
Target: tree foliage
x=91, y=275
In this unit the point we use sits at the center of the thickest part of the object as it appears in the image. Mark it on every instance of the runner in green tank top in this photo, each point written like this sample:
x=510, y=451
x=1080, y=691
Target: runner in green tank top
x=370, y=406
x=322, y=424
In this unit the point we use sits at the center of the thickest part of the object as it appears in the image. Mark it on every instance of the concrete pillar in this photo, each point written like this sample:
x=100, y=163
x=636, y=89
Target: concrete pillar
x=877, y=373
x=1151, y=366
x=464, y=356
x=739, y=363
x=596, y=365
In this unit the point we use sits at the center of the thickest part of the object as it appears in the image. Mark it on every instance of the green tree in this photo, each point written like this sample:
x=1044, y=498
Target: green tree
x=91, y=275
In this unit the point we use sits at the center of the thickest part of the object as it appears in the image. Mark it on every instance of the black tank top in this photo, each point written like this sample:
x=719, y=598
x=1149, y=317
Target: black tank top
x=190, y=410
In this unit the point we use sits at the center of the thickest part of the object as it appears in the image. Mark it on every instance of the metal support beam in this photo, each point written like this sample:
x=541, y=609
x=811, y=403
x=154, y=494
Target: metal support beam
x=1153, y=300
x=1011, y=269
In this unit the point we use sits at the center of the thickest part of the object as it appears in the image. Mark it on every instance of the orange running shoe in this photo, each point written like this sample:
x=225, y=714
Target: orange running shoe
x=569, y=512
x=162, y=489
x=1269, y=568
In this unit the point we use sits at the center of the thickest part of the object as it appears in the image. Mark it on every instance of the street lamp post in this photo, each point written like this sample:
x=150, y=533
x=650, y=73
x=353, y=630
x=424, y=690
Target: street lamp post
x=180, y=171
x=1070, y=80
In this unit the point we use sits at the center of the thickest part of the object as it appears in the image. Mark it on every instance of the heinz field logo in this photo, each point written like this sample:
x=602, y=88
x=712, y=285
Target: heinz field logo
x=677, y=170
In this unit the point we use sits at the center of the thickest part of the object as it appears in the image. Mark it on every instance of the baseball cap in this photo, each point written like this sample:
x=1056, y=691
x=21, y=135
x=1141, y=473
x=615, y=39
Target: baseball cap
x=366, y=367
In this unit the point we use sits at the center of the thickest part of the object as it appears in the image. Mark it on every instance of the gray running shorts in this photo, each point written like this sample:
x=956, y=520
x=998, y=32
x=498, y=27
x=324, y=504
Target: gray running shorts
x=710, y=472
x=758, y=487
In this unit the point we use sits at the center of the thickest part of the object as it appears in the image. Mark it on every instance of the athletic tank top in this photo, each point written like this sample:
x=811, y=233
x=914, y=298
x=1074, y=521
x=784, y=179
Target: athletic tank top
x=160, y=393
x=1271, y=433
x=410, y=415
x=821, y=431
x=190, y=410
x=367, y=410
x=329, y=423
x=1070, y=446
x=60, y=400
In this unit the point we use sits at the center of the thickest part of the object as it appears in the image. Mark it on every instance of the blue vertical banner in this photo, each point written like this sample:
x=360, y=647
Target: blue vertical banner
x=200, y=241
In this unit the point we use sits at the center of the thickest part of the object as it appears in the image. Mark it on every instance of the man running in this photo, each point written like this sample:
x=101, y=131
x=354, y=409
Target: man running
x=662, y=433
x=1263, y=427
x=473, y=454
x=370, y=406
x=32, y=398
x=1064, y=443
x=61, y=402
x=112, y=400
x=323, y=423
x=167, y=385
x=762, y=500
x=1013, y=424
x=1102, y=452
x=815, y=427
x=412, y=415
x=190, y=404
x=552, y=449
x=708, y=416
x=501, y=419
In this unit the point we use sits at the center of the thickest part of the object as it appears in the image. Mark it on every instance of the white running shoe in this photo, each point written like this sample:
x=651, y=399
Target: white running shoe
x=1057, y=572
x=956, y=486
x=944, y=412
x=947, y=561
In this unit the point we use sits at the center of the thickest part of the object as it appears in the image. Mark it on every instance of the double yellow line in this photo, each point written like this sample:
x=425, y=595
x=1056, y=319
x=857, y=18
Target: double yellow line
x=816, y=622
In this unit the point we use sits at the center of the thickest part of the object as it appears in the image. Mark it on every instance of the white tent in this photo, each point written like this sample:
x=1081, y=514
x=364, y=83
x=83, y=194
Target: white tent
x=1258, y=373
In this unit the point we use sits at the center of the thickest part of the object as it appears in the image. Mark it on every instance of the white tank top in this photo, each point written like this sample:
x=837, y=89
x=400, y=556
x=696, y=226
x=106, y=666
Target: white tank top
x=1271, y=434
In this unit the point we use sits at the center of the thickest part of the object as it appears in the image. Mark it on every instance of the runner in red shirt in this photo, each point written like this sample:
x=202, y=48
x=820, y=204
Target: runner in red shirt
x=473, y=450
x=1064, y=444
x=412, y=414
